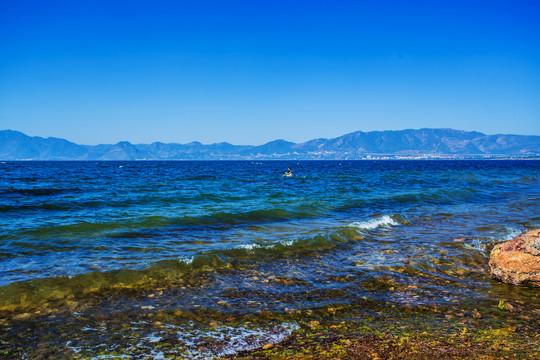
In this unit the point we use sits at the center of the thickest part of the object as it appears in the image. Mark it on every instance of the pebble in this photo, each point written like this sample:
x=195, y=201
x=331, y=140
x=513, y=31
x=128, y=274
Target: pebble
x=22, y=316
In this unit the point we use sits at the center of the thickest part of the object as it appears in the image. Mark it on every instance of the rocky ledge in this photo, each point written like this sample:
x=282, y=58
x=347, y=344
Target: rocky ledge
x=517, y=261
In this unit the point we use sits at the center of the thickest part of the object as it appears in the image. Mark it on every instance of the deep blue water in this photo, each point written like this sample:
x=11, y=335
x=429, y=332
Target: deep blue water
x=336, y=232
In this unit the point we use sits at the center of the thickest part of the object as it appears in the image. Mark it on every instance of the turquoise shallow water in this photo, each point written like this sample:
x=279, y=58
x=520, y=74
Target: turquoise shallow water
x=87, y=239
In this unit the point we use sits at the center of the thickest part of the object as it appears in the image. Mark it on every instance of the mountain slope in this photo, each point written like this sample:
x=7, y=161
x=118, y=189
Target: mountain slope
x=423, y=143
x=15, y=145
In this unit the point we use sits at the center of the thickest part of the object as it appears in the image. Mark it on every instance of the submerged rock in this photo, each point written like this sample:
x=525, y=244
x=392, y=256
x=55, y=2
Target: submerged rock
x=518, y=261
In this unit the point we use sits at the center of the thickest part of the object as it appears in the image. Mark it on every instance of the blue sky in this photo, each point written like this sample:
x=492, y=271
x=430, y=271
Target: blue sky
x=248, y=72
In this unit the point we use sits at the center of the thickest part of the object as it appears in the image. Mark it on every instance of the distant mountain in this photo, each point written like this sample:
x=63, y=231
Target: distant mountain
x=423, y=143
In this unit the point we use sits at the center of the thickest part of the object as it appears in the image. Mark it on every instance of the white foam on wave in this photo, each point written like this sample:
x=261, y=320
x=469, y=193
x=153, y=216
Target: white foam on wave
x=477, y=245
x=381, y=221
x=482, y=245
x=247, y=246
x=152, y=338
x=227, y=340
x=187, y=261
x=287, y=242
x=196, y=343
x=512, y=232
x=75, y=349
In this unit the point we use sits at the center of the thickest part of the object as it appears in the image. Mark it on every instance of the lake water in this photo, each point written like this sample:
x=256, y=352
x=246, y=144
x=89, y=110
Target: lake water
x=226, y=256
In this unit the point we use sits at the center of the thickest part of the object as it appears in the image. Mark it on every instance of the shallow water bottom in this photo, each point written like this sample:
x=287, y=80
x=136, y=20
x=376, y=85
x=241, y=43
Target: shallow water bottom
x=194, y=335
x=204, y=316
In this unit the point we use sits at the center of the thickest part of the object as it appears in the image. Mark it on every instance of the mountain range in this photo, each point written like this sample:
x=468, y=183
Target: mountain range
x=422, y=143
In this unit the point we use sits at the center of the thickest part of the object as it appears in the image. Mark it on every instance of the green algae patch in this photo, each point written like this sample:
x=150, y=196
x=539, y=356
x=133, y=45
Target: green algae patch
x=355, y=341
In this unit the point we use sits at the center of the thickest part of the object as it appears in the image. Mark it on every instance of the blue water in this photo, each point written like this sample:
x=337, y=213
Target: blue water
x=238, y=232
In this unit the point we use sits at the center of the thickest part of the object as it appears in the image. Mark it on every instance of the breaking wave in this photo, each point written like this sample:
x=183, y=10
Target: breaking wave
x=382, y=221
x=15, y=297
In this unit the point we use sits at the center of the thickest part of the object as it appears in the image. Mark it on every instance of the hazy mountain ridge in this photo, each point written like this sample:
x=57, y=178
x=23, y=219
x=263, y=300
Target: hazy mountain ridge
x=423, y=143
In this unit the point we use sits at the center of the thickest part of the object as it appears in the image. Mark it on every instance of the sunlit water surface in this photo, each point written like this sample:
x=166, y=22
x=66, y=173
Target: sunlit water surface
x=226, y=256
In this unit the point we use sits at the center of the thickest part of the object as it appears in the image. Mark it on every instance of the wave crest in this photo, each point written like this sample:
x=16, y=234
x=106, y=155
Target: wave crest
x=381, y=221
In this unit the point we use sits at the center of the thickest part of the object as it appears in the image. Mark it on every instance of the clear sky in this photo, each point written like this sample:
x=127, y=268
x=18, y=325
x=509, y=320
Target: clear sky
x=248, y=72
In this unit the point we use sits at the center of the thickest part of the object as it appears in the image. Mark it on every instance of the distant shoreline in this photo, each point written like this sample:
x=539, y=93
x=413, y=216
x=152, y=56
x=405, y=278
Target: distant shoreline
x=536, y=158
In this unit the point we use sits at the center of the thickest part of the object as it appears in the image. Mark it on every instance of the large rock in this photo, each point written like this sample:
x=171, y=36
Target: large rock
x=518, y=261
